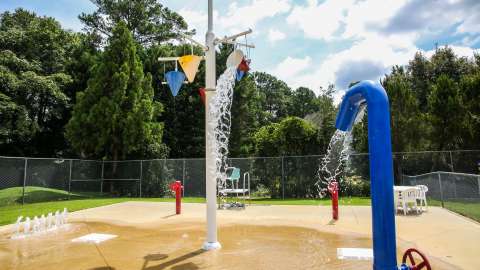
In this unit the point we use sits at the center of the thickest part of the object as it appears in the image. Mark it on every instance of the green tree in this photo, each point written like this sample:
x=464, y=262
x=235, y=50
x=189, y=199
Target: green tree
x=184, y=115
x=406, y=120
x=245, y=110
x=148, y=20
x=420, y=72
x=446, y=114
x=470, y=89
x=292, y=136
x=275, y=97
x=33, y=55
x=324, y=117
x=113, y=117
x=303, y=102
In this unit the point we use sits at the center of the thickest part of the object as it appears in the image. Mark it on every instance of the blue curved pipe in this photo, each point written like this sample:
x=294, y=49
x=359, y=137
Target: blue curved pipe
x=381, y=165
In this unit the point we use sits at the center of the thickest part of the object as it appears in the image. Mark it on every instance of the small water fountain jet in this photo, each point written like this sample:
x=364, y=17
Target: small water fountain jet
x=39, y=225
x=26, y=226
x=49, y=221
x=17, y=226
x=36, y=225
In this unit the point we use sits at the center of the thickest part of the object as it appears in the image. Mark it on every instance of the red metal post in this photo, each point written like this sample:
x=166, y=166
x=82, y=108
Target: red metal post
x=333, y=189
x=177, y=188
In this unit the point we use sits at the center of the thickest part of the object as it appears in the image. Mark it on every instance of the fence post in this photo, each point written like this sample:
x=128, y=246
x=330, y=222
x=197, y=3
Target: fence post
x=441, y=190
x=24, y=180
x=454, y=187
x=183, y=179
x=101, y=179
x=478, y=181
x=141, y=174
x=70, y=179
x=451, y=162
x=283, y=179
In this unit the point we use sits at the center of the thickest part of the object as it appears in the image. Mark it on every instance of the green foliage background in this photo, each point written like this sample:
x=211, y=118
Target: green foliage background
x=99, y=94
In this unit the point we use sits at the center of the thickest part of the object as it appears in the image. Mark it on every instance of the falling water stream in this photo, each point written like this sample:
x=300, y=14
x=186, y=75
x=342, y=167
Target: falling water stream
x=221, y=121
x=336, y=159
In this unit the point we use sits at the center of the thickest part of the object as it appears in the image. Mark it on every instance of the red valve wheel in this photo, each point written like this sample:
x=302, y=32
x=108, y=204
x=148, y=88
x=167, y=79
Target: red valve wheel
x=413, y=265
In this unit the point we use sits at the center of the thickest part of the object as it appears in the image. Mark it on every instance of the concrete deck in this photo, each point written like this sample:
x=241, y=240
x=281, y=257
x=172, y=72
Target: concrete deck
x=439, y=233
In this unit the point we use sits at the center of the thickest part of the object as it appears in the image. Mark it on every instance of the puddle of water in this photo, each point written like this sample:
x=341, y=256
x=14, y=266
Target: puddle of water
x=177, y=247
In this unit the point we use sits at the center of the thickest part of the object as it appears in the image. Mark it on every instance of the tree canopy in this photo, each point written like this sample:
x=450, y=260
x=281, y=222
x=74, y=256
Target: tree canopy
x=100, y=94
x=114, y=116
x=149, y=21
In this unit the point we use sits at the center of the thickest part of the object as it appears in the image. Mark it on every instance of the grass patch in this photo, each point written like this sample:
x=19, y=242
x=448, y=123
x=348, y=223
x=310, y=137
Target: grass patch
x=9, y=213
x=33, y=194
x=467, y=208
x=325, y=201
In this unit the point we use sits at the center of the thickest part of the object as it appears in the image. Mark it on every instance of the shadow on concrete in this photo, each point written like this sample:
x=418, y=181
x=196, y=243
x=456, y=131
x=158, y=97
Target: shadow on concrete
x=169, y=216
x=185, y=266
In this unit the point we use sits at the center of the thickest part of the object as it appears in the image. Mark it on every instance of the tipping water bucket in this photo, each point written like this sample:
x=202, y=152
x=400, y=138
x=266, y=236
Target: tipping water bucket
x=235, y=58
x=243, y=66
x=189, y=64
x=174, y=80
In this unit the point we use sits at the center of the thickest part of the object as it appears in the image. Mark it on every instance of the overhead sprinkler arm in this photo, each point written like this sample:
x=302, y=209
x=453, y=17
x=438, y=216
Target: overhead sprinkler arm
x=204, y=48
x=233, y=37
x=240, y=44
x=172, y=59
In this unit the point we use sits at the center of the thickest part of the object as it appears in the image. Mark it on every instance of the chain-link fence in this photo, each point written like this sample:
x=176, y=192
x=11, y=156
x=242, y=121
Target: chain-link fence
x=27, y=180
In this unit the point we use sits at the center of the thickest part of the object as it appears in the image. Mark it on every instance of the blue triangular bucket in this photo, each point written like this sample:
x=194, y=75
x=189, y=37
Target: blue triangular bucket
x=175, y=80
x=240, y=74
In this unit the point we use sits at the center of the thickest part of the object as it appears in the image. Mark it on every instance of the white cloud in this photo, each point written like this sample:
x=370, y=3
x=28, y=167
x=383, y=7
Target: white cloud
x=275, y=35
x=236, y=18
x=384, y=34
x=290, y=68
x=320, y=21
x=247, y=16
x=366, y=59
x=460, y=51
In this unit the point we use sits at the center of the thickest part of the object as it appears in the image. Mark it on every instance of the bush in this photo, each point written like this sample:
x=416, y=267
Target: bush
x=355, y=185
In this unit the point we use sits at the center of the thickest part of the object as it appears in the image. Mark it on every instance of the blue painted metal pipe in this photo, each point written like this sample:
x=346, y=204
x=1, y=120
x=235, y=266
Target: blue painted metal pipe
x=381, y=165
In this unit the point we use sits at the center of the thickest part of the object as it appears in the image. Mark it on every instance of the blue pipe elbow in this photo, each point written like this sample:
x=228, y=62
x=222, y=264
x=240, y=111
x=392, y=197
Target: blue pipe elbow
x=381, y=165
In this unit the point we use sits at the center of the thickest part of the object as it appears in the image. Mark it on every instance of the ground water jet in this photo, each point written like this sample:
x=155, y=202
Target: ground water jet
x=39, y=225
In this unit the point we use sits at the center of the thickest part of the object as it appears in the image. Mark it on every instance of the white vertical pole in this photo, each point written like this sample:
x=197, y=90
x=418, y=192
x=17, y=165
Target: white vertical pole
x=211, y=185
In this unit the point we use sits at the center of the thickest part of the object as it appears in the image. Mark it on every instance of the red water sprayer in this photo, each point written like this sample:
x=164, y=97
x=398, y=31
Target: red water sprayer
x=333, y=189
x=177, y=188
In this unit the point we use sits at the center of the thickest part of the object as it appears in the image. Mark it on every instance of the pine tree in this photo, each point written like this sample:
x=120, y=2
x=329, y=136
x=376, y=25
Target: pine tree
x=114, y=116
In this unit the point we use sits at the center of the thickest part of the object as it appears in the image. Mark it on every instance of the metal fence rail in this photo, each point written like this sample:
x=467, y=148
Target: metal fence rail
x=27, y=180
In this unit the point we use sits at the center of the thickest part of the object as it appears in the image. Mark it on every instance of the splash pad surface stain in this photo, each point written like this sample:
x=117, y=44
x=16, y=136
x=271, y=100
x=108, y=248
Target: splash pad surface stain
x=178, y=247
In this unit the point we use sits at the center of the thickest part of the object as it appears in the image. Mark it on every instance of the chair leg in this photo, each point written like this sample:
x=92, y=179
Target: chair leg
x=404, y=208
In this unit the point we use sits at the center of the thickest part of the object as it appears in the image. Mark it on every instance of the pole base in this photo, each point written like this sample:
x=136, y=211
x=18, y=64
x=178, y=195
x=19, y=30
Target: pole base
x=211, y=245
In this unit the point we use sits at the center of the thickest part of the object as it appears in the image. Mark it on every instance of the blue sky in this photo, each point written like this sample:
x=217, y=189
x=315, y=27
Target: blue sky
x=316, y=42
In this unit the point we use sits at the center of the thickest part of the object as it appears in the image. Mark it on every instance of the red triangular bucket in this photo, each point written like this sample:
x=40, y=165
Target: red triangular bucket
x=244, y=66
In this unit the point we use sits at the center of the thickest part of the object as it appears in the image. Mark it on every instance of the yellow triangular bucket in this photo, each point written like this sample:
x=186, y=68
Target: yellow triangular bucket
x=189, y=64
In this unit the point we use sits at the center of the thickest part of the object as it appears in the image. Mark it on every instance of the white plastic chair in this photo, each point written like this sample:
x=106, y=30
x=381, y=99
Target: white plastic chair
x=404, y=198
x=422, y=196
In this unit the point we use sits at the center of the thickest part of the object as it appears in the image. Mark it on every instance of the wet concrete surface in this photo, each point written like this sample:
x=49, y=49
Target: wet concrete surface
x=178, y=247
